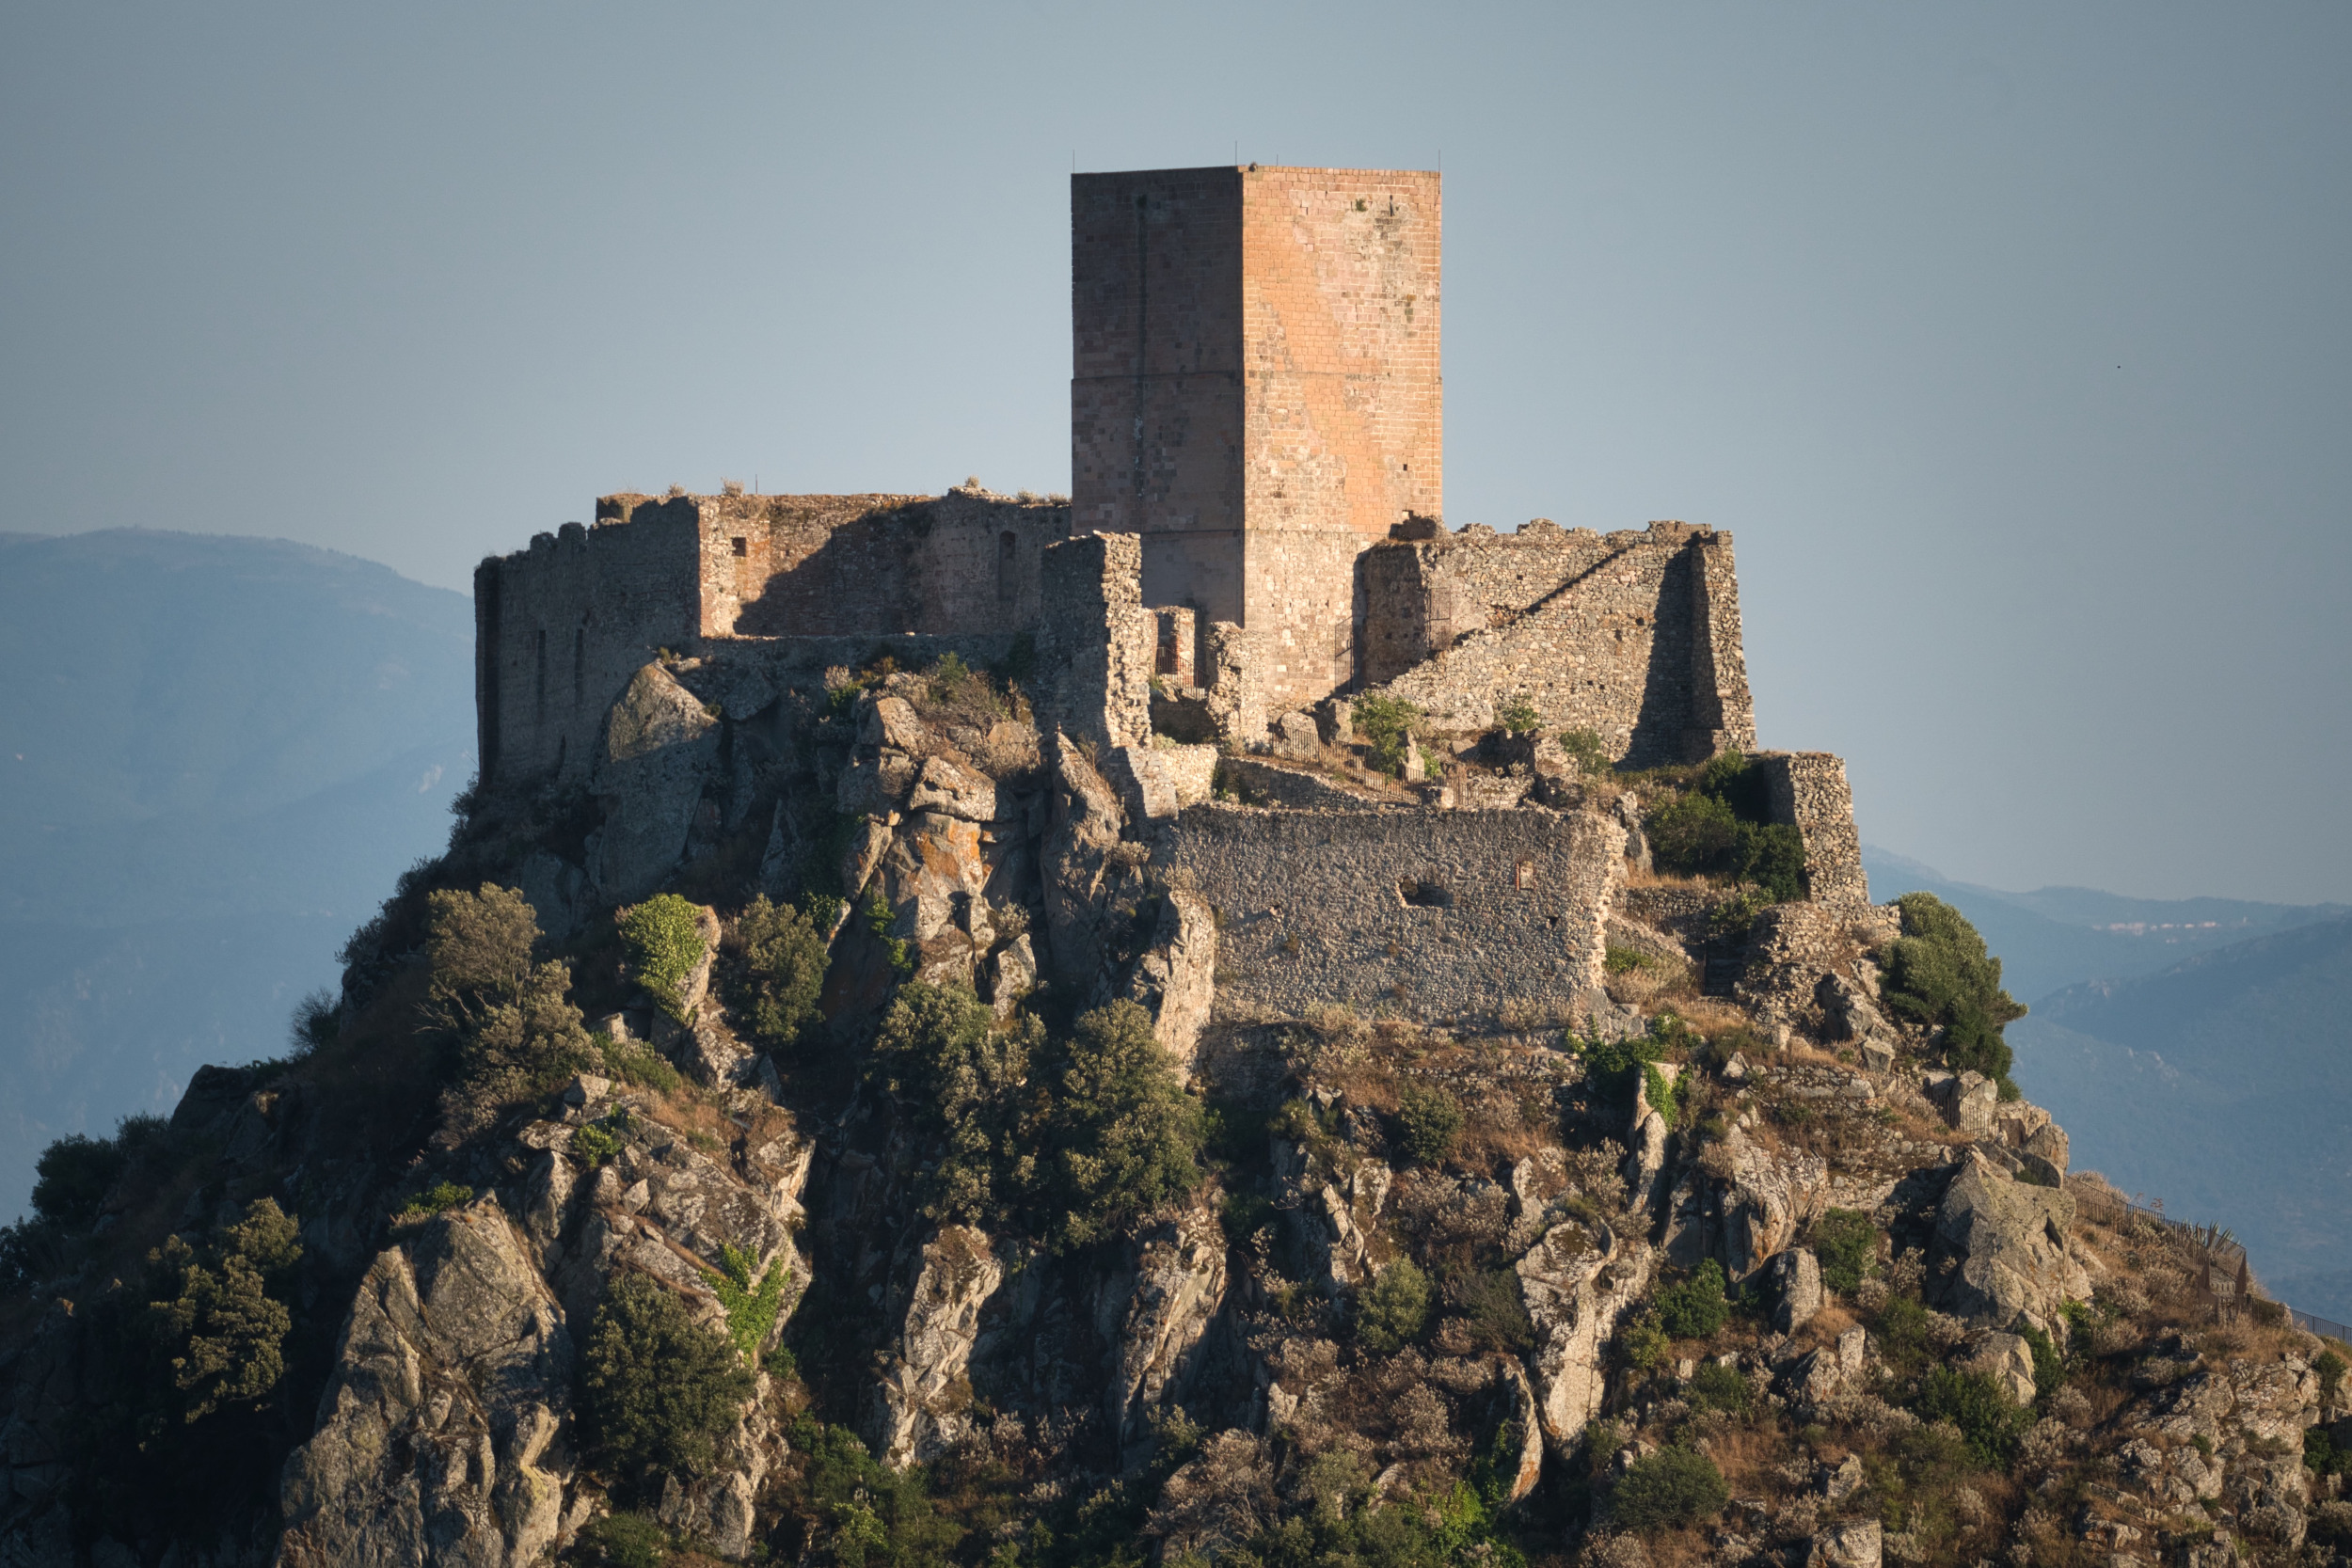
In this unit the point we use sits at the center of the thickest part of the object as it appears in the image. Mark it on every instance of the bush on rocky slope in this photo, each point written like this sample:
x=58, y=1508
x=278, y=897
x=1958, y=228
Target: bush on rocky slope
x=660, y=1388
x=1940, y=975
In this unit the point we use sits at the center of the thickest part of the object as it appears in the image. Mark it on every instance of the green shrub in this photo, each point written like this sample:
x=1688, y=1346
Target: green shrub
x=1696, y=1307
x=509, y=1023
x=1622, y=961
x=1847, y=1244
x=2049, y=1367
x=941, y=1050
x=1719, y=828
x=1125, y=1138
x=1719, y=1387
x=1901, y=1327
x=871, y=1514
x=595, y=1142
x=1644, y=1343
x=1520, y=716
x=1939, y=973
x=752, y=1307
x=1496, y=1308
x=1387, y=725
x=74, y=1175
x=660, y=1390
x=438, y=1198
x=1587, y=749
x=639, y=1065
x=784, y=962
x=220, y=1317
x=628, y=1541
x=1668, y=1489
x=2322, y=1456
x=661, y=942
x=317, y=1018
x=2330, y=1368
x=1428, y=1120
x=1991, y=1422
x=1394, y=1307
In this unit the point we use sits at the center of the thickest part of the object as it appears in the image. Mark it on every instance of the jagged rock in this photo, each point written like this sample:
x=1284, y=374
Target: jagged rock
x=1842, y=1481
x=923, y=1393
x=1796, y=1285
x=1179, y=1287
x=891, y=723
x=1765, y=1200
x=660, y=747
x=1176, y=978
x=954, y=791
x=1629, y=812
x=1077, y=867
x=2049, y=1143
x=1967, y=1100
x=2008, y=1359
x=435, y=1440
x=1527, y=1417
x=2008, y=1239
x=1855, y=1545
x=1577, y=1283
x=1846, y=1009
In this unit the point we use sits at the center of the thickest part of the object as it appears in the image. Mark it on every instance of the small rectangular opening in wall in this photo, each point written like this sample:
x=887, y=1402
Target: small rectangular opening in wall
x=742, y=545
x=1422, y=893
x=1523, y=876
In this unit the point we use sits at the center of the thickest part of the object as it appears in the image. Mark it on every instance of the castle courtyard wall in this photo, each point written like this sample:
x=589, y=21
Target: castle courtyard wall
x=1433, y=915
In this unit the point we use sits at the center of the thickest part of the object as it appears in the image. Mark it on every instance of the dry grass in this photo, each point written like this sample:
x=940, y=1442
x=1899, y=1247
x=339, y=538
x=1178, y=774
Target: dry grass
x=1643, y=876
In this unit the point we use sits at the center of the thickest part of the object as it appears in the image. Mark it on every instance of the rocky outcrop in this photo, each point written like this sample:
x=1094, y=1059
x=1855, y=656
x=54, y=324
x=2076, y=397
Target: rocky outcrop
x=1577, y=1282
x=438, y=1437
x=1765, y=1199
x=2006, y=1243
x=924, y=1392
x=1080, y=865
x=1176, y=978
x=1179, y=1287
x=660, y=747
x=1796, y=1288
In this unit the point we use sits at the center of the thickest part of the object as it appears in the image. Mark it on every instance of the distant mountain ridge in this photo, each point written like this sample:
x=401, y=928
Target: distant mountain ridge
x=215, y=755
x=2198, y=1052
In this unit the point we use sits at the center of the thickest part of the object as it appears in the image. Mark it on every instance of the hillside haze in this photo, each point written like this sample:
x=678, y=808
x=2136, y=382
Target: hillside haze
x=215, y=755
x=2193, y=1047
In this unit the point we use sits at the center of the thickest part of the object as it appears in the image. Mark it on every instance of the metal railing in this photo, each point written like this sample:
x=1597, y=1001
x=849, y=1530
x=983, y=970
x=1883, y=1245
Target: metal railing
x=2227, y=1278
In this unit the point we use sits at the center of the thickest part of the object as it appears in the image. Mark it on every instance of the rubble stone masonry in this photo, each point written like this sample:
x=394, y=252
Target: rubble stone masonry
x=1436, y=915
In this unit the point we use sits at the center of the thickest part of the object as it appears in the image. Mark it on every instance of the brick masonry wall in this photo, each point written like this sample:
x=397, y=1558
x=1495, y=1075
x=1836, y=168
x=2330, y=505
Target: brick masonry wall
x=1633, y=635
x=1313, y=907
x=1255, y=389
x=1809, y=789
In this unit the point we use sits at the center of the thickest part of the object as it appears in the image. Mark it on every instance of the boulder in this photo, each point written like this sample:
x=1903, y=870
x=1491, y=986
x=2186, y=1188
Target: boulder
x=2008, y=1360
x=1765, y=1200
x=892, y=724
x=1967, y=1100
x=2049, y=1143
x=1578, y=1282
x=1179, y=1287
x=1796, y=1286
x=1854, y=1545
x=1842, y=1481
x=921, y=1400
x=1529, y=1420
x=952, y=790
x=2008, y=1242
x=660, y=749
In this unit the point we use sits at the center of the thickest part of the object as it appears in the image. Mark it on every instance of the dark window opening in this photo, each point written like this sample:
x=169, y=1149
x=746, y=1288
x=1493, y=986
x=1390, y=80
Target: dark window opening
x=742, y=545
x=1422, y=895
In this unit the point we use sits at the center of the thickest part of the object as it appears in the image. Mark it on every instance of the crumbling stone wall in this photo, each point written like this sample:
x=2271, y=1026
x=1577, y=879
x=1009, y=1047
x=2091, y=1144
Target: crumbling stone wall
x=563, y=627
x=1435, y=915
x=1098, y=642
x=1633, y=635
x=1809, y=789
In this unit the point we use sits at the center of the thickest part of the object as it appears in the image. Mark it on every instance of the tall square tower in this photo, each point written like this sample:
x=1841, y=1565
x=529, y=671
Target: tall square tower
x=1255, y=390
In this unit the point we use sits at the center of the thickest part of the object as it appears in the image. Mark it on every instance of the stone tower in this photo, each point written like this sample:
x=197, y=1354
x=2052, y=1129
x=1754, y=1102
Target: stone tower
x=1255, y=390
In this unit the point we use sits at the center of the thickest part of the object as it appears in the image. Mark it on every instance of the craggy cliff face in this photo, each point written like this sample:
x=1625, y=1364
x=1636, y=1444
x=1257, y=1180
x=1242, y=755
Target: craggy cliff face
x=893, y=1118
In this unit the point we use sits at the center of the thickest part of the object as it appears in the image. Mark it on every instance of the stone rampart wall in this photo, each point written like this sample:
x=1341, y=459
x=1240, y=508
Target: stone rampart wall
x=1099, y=643
x=1809, y=789
x=1633, y=635
x=1438, y=915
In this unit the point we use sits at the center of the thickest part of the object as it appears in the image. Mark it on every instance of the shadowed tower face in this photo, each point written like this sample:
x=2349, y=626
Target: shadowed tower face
x=1255, y=390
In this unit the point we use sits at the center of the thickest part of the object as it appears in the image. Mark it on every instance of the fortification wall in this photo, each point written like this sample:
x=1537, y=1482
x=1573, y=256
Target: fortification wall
x=1433, y=915
x=561, y=627
x=1633, y=635
x=1100, y=643
x=1809, y=789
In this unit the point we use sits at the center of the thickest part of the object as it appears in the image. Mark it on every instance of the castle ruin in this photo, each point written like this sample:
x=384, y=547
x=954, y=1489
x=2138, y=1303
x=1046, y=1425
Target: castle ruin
x=1254, y=539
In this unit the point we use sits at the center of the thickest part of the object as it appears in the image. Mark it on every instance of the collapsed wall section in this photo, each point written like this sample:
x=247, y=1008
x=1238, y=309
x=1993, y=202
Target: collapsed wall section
x=1808, y=790
x=1438, y=917
x=1633, y=635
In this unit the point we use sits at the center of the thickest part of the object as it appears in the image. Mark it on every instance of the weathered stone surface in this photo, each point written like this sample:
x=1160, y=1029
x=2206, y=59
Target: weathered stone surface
x=437, y=1435
x=1578, y=1282
x=1176, y=978
x=1294, y=735
x=660, y=747
x=1179, y=1287
x=1765, y=1200
x=2008, y=1241
x=1854, y=1545
x=1079, y=873
x=2008, y=1359
x=952, y=790
x=1796, y=1285
x=923, y=1393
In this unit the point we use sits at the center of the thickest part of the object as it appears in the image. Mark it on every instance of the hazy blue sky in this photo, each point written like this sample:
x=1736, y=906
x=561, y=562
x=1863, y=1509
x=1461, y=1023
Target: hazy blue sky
x=2010, y=340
